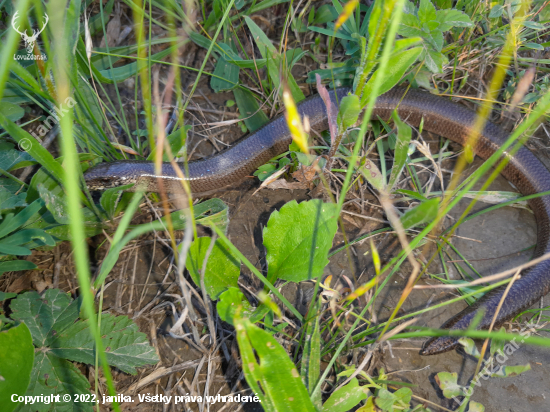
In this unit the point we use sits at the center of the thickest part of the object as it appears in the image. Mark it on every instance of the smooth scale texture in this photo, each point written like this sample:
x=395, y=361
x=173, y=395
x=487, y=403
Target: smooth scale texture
x=441, y=116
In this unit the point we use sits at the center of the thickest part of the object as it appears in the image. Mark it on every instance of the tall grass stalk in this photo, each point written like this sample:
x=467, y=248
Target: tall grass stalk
x=389, y=33
x=72, y=171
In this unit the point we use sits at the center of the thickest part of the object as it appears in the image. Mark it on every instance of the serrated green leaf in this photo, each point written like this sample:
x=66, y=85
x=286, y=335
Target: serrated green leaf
x=426, y=11
x=450, y=18
x=46, y=316
x=435, y=60
x=398, y=64
x=298, y=238
x=410, y=26
x=54, y=376
x=222, y=268
x=125, y=346
x=16, y=360
x=448, y=384
x=345, y=398
x=423, y=213
x=269, y=371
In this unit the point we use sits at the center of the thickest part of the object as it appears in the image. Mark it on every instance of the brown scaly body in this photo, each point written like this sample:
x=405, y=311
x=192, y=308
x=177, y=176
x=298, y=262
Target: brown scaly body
x=441, y=116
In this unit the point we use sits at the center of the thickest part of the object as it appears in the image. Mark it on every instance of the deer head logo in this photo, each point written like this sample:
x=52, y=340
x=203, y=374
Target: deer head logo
x=29, y=40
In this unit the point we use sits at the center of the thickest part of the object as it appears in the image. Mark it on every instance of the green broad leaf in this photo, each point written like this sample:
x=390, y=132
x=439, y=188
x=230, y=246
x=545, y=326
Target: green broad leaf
x=261, y=39
x=496, y=11
x=410, y=26
x=11, y=222
x=254, y=117
x=212, y=211
x=398, y=64
x=426, y=11
x=269, y=52
x=264, y=171
x=509, y=371
x=226, y=76
x=497, y=345
x=16, y=265
x=475, y=407
x=534, y=25
x=12, y=111
x=324, y=14
x=32, y=147
x=125, y=346
x=57, y=205
x=373, y=175
x=396, y=401
x=47, y=315
x=14, y=250
x=311, y=358
x=403, y=44
x=16, y=360
x=349, y=111
x=448, y=384
x=4, y=296
x=110, y=198
x=232, y=300
x=8, y=199
x=533, y=46
x=450, y=18
x=222, y=268
x=269, y=371
x=469, y=347
x=119, y=74
x=327, y=32
x=347, y=397
x=435, y=39
x=54, y=376
x=176, y=140
x=12, y=159
x=435, y=60
x=298, y=238
x=423, y=213
x=404, y=134
x=26, y=235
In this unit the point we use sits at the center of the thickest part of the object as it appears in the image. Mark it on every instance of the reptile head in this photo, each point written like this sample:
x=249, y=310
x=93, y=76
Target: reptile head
x=106, y=176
